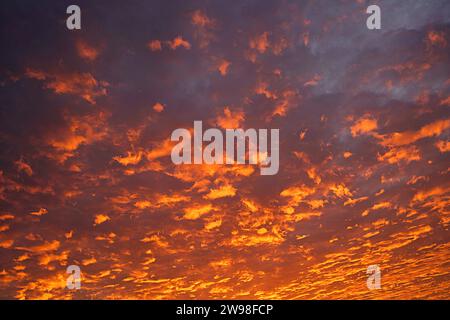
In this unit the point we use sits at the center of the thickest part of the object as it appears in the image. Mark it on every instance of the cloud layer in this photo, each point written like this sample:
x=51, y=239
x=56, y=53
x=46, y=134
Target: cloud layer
x=86, y=176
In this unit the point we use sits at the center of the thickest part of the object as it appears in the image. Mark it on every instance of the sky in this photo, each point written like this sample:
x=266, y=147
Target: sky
x=86, y=176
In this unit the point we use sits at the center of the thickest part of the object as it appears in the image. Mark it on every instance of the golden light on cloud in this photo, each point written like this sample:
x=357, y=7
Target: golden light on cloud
x=223, y=67
x=86, y=51
x=87, y=177
x=39, y=212
x=221, y=192
x=155, y=45
x=158, y=107
x=363, y=126
x=230, y=119
x=179, y=42
x=193, y=213
x=101, y=218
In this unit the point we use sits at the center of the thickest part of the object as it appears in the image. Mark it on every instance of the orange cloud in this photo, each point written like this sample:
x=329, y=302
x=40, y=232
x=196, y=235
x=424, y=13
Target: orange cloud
x=352, y=202
x=223, y=67
x=255, y=240
x=195, y=212
x=407, y=71
x=22, y=166
x=313, y=82
x=222, y=192
x=230, y=120
x=130, y=158
x=182, y=232
x=340, y=190
x=179, y=42
x=47, y=246
x=408, y=137
x=260, y=43
x=35, y=74
x=158, y=107
x=262, y=89
x=5, y=244
x=443, y=146
x=363, y=125
x=40, y=212
x=143, y=204
x=199, y=18
x=436, y=38
x=83, y=85
x=86, y=262
x=47, y=258
x=424, y=194
x=445, y=102
x=306, y=38
x=213, y=224
x=251, y=205
x=279, y=46
x=296, y=194
x=307, y=215
x=377, y=206
x=6, y=216
x=284, y=104
x=406, y=154
x=163, y=149
x=86, y=51
x=101, y=218
x=154, y=45
x=80, y=130
x=204, y=26
x=169, y=200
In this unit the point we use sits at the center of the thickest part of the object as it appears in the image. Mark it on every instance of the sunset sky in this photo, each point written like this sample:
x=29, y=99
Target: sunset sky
x=86, y=176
